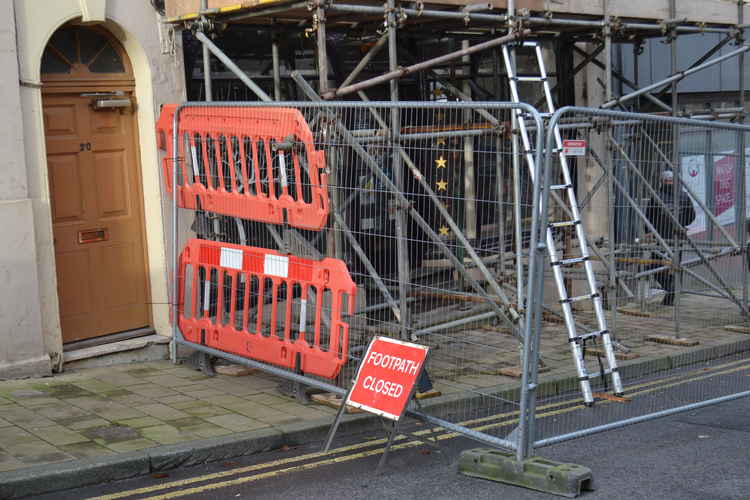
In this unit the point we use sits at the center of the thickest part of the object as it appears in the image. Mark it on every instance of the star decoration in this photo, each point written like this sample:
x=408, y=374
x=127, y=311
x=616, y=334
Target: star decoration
x=440, y=141
x=444, y=231
x=442, y=185
x=440, y=162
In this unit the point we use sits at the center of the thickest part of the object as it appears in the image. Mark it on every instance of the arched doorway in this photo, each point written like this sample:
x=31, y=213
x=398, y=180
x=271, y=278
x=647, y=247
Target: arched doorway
x=95, y=184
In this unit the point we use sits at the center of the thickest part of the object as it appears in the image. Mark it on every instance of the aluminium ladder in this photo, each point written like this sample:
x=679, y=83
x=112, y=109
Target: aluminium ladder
x=559, y=262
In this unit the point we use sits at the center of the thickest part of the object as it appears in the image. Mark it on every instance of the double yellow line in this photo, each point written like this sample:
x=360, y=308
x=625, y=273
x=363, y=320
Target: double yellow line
x=498, y=420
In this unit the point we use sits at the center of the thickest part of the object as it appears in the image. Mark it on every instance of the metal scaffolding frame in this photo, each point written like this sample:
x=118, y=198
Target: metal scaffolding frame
x=479, y=29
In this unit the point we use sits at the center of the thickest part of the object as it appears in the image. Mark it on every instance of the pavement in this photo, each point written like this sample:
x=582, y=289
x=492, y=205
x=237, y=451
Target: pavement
x=696, y=455
x=119, y=409
x=104, y=424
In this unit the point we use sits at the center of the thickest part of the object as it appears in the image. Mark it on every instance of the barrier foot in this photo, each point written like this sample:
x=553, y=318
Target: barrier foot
x=201, y=361
x=596, y=352
x=536, y=473
x=737, y=328
x=294, y=390
x=666, y=339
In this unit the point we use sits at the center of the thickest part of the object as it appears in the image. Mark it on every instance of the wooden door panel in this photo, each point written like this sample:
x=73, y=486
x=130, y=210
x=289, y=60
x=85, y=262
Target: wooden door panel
x=107, y=123
x=115, y=267
x=112, y=184
x=61, y=121
x=75, y=293
x=66, y=187
x=97, y=218
x=120, y=319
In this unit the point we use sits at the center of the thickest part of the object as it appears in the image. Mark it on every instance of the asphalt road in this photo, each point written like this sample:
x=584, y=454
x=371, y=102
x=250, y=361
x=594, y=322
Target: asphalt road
x=704, y=454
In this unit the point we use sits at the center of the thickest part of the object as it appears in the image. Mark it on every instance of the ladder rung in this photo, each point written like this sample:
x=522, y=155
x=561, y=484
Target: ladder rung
x=560, y=186
x=580, y=298
x=530, y=44
x=569, y=262
x=587, y=336
x=566, y=223
x=529, y=78
x=596, y=374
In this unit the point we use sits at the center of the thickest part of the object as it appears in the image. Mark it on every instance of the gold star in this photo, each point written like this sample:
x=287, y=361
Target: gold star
x=440, y=141
x=440, y=162
x=444, y=231
x=442, y=185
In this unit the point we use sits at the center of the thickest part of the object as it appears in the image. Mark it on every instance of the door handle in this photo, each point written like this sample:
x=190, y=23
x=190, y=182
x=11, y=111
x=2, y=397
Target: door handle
x=93, y=235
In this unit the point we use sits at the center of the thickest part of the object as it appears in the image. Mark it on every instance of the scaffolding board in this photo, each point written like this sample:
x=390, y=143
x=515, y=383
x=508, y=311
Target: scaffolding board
x=703, y=12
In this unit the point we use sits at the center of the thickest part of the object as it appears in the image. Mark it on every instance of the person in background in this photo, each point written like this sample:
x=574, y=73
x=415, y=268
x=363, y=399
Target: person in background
x=659, y=216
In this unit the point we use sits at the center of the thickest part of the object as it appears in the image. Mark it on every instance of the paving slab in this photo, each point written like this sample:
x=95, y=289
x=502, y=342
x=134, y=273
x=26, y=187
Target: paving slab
x=58, y=435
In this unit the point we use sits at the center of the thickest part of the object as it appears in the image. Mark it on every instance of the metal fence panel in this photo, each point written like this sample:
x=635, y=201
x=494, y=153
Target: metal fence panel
x=664, y=205
x=421, y=214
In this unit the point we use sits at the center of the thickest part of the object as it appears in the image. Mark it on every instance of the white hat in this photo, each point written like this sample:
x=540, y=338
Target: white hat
x=667, y=176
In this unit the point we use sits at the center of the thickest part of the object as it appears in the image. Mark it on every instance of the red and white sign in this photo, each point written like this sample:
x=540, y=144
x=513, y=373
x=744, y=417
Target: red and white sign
x=387, y=377
x=573, y=147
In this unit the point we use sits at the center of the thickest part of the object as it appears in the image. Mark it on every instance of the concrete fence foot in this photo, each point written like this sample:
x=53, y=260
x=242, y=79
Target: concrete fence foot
x=535, y=473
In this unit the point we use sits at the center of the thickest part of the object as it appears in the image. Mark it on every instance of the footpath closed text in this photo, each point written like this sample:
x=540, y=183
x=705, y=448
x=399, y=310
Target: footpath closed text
x=393, y=363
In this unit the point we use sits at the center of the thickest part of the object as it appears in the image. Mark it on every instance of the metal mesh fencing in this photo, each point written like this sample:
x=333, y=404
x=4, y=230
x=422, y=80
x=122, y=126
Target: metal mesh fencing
x=663, y=203
x=301, y=230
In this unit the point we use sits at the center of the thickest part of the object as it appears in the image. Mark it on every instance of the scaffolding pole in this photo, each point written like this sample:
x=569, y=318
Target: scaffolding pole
x=375, y=50
x=276, y=68
x=231, y=66
x=470, y=202
x=626, y=81
x=545, y=22
x=206, y=62
x=320, y=17
x=742, y=146
x=676, y=162
x=611, y=236
x=675, y=77
x=402, y=240
x=396, y=72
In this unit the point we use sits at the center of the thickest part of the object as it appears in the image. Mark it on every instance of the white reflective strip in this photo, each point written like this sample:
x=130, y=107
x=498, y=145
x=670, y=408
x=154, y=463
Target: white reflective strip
x=231, y=258
x=302, y=315
x=206, y=297
x=194, y=158
x=282, y=169
x=276, y=265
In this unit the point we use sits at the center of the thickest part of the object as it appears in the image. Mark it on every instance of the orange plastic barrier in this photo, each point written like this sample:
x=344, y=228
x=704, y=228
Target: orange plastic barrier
x=256, y=303
x=246, y=162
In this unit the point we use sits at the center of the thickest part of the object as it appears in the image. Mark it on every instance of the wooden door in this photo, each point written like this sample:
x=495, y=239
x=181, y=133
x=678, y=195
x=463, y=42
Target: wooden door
x=97, y=219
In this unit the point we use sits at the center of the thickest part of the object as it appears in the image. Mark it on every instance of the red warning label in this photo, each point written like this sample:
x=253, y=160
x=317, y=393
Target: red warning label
x=387, y=377
x=573, y=147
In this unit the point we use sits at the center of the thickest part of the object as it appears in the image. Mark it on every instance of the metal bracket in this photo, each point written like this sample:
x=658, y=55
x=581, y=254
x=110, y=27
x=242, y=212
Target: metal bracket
x=639, y=46
x=401, y=17
x=738, y=36
x=616, y=26
x=668, y=28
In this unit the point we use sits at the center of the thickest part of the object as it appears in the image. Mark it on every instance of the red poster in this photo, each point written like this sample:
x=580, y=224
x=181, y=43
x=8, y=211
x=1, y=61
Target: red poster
x=724, y=184
x=387, y=377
